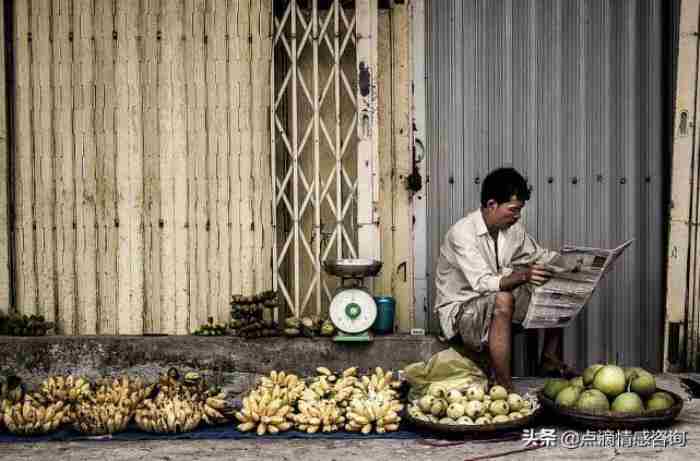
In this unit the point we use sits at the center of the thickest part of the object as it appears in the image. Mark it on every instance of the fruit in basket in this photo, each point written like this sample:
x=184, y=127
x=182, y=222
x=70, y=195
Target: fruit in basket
x=515, y=402
x=475, y=392
x=499, y=407
x=568, y=396
x=577, y=381
x=454, y=396
x=610, y=380
x=590, y=372
x=447, y=420
x=465, y=420
x=481, y=420
x=593, y=400
x=426, y=403
x=498, y=393
x=474, y=409
x=660, y=401
x=498, y=419
x=515, y=415
x=438, y=407
x=455, y=410
x=437, y=391
x=553, y=386
x=627, y=402
x=643, y=383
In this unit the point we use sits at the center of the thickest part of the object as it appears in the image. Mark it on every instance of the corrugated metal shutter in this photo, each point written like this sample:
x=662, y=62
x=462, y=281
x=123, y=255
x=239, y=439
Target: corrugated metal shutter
x=571, y=94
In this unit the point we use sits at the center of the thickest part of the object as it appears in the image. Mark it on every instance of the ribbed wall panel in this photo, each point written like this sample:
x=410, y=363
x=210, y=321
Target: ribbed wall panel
x=570, y=93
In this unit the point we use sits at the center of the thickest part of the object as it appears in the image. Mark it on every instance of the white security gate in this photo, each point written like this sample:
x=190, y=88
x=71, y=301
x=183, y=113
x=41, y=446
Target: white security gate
x=324, y=143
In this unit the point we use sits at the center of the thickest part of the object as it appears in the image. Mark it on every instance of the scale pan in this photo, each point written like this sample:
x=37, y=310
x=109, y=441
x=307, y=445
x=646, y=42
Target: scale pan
x=352, y=267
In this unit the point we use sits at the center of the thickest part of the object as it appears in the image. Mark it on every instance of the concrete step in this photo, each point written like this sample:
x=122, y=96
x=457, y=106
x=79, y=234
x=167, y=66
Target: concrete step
x=231, y=362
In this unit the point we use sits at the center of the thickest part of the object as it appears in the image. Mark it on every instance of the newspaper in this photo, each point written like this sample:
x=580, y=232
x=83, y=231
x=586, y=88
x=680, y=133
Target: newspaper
x=577, y=271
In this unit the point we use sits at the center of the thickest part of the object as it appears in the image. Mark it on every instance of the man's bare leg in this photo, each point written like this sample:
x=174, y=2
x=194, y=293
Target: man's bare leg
x=552, y=361
x=500, y=339
x=552, y=343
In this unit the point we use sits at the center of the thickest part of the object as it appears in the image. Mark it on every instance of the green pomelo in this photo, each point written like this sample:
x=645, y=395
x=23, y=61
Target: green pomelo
x=627, y=402
x=664, y=395
x=630, y=371
x=660, y=401
x=577, y=381
x=643, y=384
x=610, y=380
x=593, y=400
x=553, y=386
x=589, y=373
x=500, y=419
x=568, y=396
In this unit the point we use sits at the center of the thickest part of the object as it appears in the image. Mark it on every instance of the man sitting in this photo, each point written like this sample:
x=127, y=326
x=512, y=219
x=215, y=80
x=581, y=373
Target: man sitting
x=483, y=279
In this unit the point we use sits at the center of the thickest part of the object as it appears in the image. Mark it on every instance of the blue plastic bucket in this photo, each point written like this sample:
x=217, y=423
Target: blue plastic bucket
x=386, y=308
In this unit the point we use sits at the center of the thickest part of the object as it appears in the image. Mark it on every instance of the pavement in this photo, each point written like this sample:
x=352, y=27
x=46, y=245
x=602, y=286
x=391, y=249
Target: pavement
x=680, y=441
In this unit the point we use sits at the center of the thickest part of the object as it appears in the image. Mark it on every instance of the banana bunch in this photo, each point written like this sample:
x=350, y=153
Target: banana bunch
x=365, y=414
x=123, y=391
x=374, y=403
x=266, y=411
x=165, y=414
x=379, y=384
x=213, y=409
x=324, y=414
x=100, y=419
x=327, y=385
x=110, y=407
x=64, y=388
x=28, y=417
x=287, y=387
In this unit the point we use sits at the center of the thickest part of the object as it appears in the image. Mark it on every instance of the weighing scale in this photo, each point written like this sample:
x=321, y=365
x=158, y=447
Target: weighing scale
x=352, y=310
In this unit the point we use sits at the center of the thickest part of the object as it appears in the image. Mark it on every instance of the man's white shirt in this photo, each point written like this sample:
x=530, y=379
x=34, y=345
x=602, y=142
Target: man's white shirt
x=468, y=266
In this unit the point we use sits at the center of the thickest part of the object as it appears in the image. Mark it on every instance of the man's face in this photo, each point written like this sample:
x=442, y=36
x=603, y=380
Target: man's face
x=504, y=215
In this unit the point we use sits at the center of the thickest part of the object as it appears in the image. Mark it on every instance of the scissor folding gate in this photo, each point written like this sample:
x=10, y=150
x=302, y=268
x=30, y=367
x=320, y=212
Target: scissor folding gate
x=324, y=153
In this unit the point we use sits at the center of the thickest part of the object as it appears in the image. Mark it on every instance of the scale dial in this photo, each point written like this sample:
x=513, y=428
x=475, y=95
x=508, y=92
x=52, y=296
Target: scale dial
x=353, y=310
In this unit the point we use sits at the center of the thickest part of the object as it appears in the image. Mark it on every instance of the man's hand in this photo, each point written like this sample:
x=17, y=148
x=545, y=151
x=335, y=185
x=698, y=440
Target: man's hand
x=538, y=274
x=535, y=274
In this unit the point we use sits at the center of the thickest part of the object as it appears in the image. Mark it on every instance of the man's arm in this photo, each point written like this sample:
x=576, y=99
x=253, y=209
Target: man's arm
x=535, y=274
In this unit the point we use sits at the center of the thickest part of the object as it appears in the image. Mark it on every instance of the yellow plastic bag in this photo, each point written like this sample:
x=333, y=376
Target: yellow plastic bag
x=447, y=369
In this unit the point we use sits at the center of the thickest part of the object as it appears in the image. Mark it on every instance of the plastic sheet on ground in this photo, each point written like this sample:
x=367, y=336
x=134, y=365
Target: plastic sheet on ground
x=447, y=369
x=225, y=432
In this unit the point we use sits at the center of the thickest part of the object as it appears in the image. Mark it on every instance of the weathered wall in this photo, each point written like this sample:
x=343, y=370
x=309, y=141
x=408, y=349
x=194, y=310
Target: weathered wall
x=141, y=173
x=4, y=189
x=395, y=144
x=682, y=319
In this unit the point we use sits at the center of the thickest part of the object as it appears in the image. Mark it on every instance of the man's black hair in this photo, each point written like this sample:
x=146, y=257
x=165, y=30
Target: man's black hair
x=502, y=184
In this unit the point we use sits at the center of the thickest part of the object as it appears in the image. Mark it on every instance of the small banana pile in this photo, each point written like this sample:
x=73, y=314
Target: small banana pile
x=374, y=404
x=330, y=401
x=324, y=415
x=168, y=415
x=181, y=405
x=101, y=419
x=64, y=388
x=264, y=411
x=268, y=407
x=327, y=385
x=123, y=391
x=382, y=415
x=29, y=417
x=110, y=407
x=288, y=386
